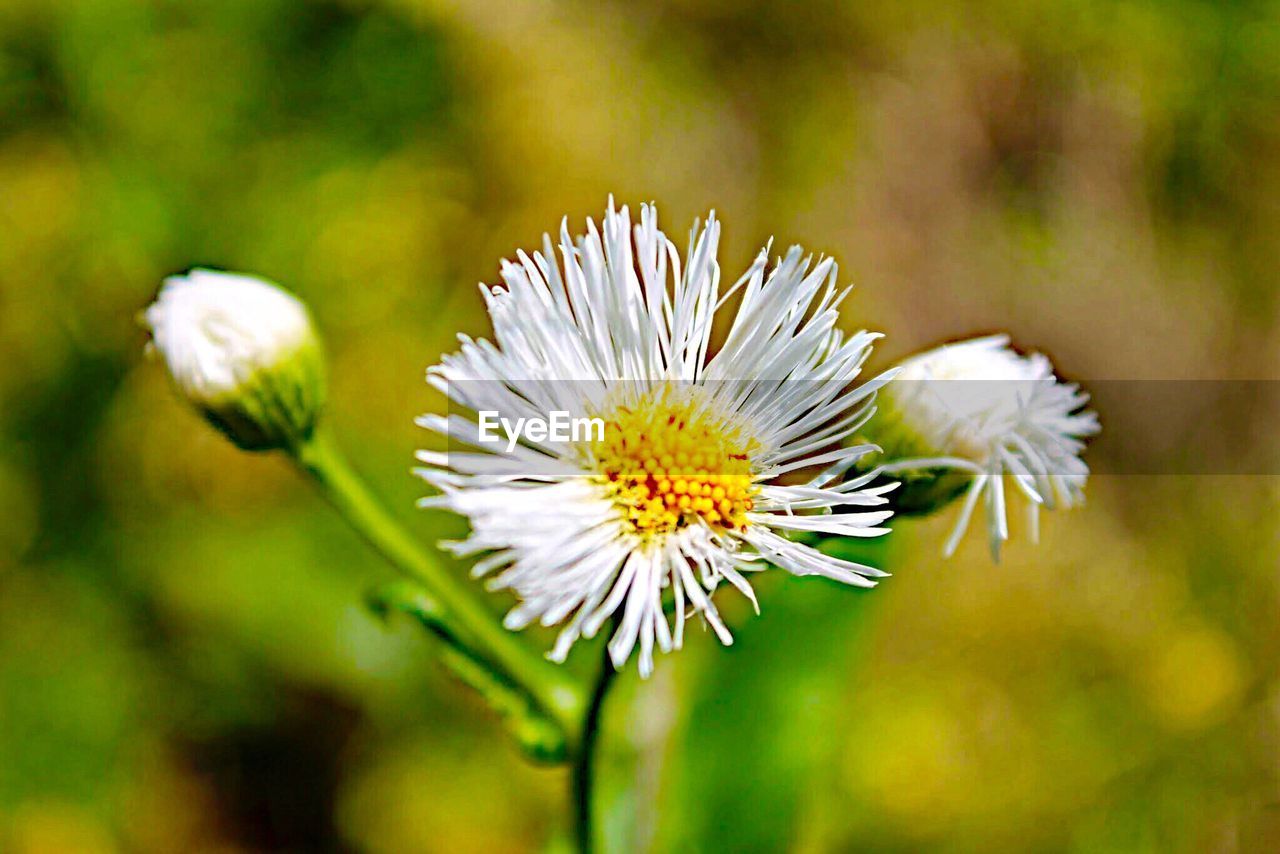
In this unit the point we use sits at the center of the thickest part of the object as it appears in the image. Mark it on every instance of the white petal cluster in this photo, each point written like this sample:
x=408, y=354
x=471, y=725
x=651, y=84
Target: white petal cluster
x=213, y=329
x=242, y=350
x=981, y=409
x=614, y=315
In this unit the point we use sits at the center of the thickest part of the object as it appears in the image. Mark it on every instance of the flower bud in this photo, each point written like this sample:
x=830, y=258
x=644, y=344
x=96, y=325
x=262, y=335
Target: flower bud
x=244, y=352
x=962, y=418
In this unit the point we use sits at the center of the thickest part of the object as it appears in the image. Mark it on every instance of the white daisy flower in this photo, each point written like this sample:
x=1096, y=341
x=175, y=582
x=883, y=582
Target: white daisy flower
x=243, y=351
x=702, y=472
x=963, y=417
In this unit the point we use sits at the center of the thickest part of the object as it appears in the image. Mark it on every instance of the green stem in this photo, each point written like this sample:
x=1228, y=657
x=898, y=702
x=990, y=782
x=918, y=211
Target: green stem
x=582, y=774
x=548, y=685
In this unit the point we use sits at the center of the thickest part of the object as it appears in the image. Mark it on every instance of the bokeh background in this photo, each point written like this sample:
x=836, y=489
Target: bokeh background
x=185, y=663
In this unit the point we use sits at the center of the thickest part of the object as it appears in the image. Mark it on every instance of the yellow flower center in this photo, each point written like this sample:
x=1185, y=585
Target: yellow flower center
x=669, y=463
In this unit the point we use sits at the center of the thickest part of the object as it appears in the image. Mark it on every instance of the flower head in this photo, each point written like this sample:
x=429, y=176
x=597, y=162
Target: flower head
x=705, y=462
x=961, y=418
x=243, y=352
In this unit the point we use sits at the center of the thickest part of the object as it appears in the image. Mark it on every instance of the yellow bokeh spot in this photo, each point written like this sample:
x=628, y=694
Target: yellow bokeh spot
x=670, y=462
x=1195, y=679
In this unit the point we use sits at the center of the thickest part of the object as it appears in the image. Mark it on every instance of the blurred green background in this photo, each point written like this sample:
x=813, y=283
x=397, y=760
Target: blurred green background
x=185, y=663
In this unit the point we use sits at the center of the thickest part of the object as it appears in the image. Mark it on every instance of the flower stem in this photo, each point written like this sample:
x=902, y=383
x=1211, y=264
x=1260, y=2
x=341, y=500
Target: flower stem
x=476, y=631
x=582, y=774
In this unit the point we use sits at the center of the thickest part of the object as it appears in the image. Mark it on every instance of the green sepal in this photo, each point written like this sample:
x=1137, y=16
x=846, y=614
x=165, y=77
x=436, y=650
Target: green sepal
x=273, y=408
x=921, y=491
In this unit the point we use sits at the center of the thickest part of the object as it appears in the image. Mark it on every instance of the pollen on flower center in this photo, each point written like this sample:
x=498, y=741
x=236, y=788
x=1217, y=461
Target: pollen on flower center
x=669, y=463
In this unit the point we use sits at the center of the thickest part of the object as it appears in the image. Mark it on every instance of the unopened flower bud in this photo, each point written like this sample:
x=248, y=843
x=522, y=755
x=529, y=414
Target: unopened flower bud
x=244, y=352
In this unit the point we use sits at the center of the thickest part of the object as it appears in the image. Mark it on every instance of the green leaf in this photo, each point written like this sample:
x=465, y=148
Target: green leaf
x=537, y=733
